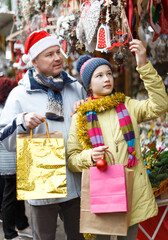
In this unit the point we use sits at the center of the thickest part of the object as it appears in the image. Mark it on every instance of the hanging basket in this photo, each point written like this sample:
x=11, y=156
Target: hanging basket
x=161, y=189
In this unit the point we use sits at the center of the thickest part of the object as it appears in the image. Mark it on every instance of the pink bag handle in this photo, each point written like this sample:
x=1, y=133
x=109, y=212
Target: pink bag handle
x=112, y=156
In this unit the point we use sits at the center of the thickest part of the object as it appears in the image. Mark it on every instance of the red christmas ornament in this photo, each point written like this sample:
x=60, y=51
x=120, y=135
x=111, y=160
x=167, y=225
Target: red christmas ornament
x=64, y=46
x=103, y=38
x=101, y=164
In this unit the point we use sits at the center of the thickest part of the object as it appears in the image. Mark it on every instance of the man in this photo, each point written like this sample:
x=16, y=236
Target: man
x=45, y=92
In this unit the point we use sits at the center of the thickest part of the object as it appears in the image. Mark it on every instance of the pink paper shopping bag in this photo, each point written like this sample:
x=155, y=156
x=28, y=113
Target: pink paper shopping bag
x=108, y=192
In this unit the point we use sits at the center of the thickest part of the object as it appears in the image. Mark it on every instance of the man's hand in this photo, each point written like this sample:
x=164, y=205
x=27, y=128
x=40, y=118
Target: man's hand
x=137, y=47
x=32, y=120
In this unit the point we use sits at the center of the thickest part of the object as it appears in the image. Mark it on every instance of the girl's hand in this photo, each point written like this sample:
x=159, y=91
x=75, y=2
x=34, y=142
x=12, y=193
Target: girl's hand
x=137, y=47
x=98, y=153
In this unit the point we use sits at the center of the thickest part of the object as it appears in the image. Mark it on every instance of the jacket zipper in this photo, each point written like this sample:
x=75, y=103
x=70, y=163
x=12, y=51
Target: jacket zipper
x=117, y=142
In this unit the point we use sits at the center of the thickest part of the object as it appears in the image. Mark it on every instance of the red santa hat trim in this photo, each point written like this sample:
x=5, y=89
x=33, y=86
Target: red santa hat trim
x=36, y=43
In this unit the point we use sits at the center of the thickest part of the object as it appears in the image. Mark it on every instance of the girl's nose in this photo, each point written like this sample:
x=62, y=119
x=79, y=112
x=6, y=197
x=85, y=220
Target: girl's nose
x=106, y=78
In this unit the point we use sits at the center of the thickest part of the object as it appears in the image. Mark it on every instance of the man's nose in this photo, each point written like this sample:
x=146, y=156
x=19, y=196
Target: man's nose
x=56, y=57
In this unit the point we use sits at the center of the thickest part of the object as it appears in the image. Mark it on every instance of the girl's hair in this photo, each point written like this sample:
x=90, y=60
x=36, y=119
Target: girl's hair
x=6, y=85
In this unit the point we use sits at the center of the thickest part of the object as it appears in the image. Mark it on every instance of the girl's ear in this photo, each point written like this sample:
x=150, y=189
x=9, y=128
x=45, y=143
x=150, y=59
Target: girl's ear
x=89, y=90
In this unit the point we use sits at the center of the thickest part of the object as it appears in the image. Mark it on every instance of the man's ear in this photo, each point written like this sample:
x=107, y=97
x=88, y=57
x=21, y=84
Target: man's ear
x=34, y=63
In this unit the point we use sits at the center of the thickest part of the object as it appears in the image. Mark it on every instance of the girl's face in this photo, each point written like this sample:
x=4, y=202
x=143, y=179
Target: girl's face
x=102, y=81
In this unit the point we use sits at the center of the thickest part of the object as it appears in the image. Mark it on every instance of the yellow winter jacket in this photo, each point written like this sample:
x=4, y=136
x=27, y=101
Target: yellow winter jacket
x=143, y=205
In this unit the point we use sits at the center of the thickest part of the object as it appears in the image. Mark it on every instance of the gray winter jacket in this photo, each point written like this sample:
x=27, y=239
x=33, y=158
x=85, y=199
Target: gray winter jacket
x=25, y=99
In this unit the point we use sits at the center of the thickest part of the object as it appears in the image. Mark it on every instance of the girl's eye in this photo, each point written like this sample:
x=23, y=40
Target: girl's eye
x=110, y=73
x=99, y=75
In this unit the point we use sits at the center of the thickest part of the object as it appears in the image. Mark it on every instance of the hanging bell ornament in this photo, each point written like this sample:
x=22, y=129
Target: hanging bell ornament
x=103, y=38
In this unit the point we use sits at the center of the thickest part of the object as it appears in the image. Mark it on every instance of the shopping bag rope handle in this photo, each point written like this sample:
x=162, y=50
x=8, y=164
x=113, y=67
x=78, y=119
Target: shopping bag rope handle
x=47, y=131
x=111, y=158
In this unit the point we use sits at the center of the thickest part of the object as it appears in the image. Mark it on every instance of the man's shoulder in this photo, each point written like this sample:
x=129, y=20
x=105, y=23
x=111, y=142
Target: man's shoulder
x=74, y=83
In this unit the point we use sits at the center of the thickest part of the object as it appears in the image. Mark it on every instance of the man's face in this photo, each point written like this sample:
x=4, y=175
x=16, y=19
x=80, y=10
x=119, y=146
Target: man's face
x=49, y=62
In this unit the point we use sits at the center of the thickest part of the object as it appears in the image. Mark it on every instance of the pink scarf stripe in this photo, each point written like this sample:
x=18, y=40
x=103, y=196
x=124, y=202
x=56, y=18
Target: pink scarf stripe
x=122, y=107
x=132, y=162
x=125, y=121
x=94, y=131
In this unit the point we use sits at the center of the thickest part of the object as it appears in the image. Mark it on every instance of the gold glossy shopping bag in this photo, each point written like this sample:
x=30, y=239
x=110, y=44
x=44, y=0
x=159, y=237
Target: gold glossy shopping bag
x=40, y=166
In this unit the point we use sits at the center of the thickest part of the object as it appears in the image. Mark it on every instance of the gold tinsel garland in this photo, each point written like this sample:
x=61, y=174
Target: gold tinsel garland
x=88, y=236
x=97, y=105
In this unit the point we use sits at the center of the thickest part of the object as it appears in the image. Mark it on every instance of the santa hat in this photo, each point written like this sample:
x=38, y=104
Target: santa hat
x=36, y=43
x=19, y=45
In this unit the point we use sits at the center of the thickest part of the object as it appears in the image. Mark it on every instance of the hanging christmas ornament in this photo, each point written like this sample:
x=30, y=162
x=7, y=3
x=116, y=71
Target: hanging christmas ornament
x=158, y=17
x=103, y=38
x=121, y=39
x=48, y=6
x=154, y=14
x=64, y=46
x=123, y=33
x=120, y=56
x=28, y=7
x=43, y=20
x=90, y=18
x=101, y=164
x=108, y=10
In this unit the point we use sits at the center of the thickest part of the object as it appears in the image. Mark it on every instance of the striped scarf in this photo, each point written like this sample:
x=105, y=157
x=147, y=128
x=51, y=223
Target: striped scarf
x=96, y=137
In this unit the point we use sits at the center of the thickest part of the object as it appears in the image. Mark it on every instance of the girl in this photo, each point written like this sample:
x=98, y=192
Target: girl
x=109, y=120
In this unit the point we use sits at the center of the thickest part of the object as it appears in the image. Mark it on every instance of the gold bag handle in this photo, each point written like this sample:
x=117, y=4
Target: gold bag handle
x=47, y=131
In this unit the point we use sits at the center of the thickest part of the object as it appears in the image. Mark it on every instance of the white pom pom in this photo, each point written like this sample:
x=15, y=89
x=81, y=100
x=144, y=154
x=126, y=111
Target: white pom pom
x=15, y=65
x=25, y=58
